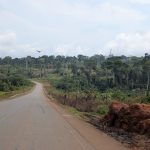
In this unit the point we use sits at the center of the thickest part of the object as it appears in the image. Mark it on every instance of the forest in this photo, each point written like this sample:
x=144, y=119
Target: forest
x=87, y=83
x=12, y=79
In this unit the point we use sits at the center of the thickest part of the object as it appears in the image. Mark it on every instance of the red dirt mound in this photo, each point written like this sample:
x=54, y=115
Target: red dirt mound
x=134, y=118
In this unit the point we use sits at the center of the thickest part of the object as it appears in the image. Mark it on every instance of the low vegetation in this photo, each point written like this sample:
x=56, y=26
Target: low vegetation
x=12, y=82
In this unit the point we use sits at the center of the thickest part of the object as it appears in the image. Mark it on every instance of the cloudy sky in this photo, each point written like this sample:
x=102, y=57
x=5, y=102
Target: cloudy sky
x=72, y=27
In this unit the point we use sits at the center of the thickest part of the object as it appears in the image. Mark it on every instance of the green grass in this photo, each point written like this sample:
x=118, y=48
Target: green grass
x=74, y=111
x=2, y=93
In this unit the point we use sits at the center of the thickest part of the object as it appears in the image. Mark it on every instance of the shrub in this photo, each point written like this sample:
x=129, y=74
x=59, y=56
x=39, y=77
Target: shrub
x=102, y=110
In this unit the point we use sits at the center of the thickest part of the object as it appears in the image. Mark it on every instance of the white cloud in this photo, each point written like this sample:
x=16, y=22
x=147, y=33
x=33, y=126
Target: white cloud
x=115, y=14
x=7, y=39
x=10, y=19
x=56, y=22
x=10, y=47
x=141, y=1
x=69, y=50
x=101, y=12
x=130, y=44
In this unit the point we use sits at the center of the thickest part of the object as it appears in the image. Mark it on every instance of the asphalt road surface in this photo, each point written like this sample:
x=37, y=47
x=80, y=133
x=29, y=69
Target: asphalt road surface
x=30, y=123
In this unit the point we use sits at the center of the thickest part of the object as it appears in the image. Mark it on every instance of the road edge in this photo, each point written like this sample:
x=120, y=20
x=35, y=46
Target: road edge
x=69, y=117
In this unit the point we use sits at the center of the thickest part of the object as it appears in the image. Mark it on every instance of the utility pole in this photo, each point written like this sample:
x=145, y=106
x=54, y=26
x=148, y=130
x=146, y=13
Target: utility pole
x=26, y=63
x=148, y=80
x=110, y=53
x=39, y=51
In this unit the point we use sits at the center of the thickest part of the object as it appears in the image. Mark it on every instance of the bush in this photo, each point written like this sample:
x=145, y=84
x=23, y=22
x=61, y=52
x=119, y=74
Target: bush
x=11, y=82
x=4, y=87
x=102, y=110
x=118, y=94
x=145, y=100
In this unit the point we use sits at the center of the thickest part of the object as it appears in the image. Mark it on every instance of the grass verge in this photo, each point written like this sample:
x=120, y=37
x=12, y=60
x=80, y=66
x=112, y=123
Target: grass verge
x=19, y=91
x=48, y=89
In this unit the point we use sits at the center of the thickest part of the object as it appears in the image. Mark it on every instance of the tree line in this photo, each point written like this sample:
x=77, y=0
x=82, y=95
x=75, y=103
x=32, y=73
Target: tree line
x=97, y=71
x=81, y=79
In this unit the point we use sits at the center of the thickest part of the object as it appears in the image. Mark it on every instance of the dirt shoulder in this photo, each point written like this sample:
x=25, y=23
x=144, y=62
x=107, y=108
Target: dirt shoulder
x=98, y=139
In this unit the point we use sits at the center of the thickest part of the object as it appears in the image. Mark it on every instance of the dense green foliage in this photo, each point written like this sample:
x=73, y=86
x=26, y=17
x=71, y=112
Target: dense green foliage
x=12, y=82
x=12, y=78
x=97, y=71
x=95, y=79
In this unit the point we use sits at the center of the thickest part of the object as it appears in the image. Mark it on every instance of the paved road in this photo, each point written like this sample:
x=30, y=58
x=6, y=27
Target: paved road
x=29, y=123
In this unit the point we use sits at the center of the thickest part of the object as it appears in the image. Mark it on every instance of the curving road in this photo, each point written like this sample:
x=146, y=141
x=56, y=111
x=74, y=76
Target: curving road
x=30, y=123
